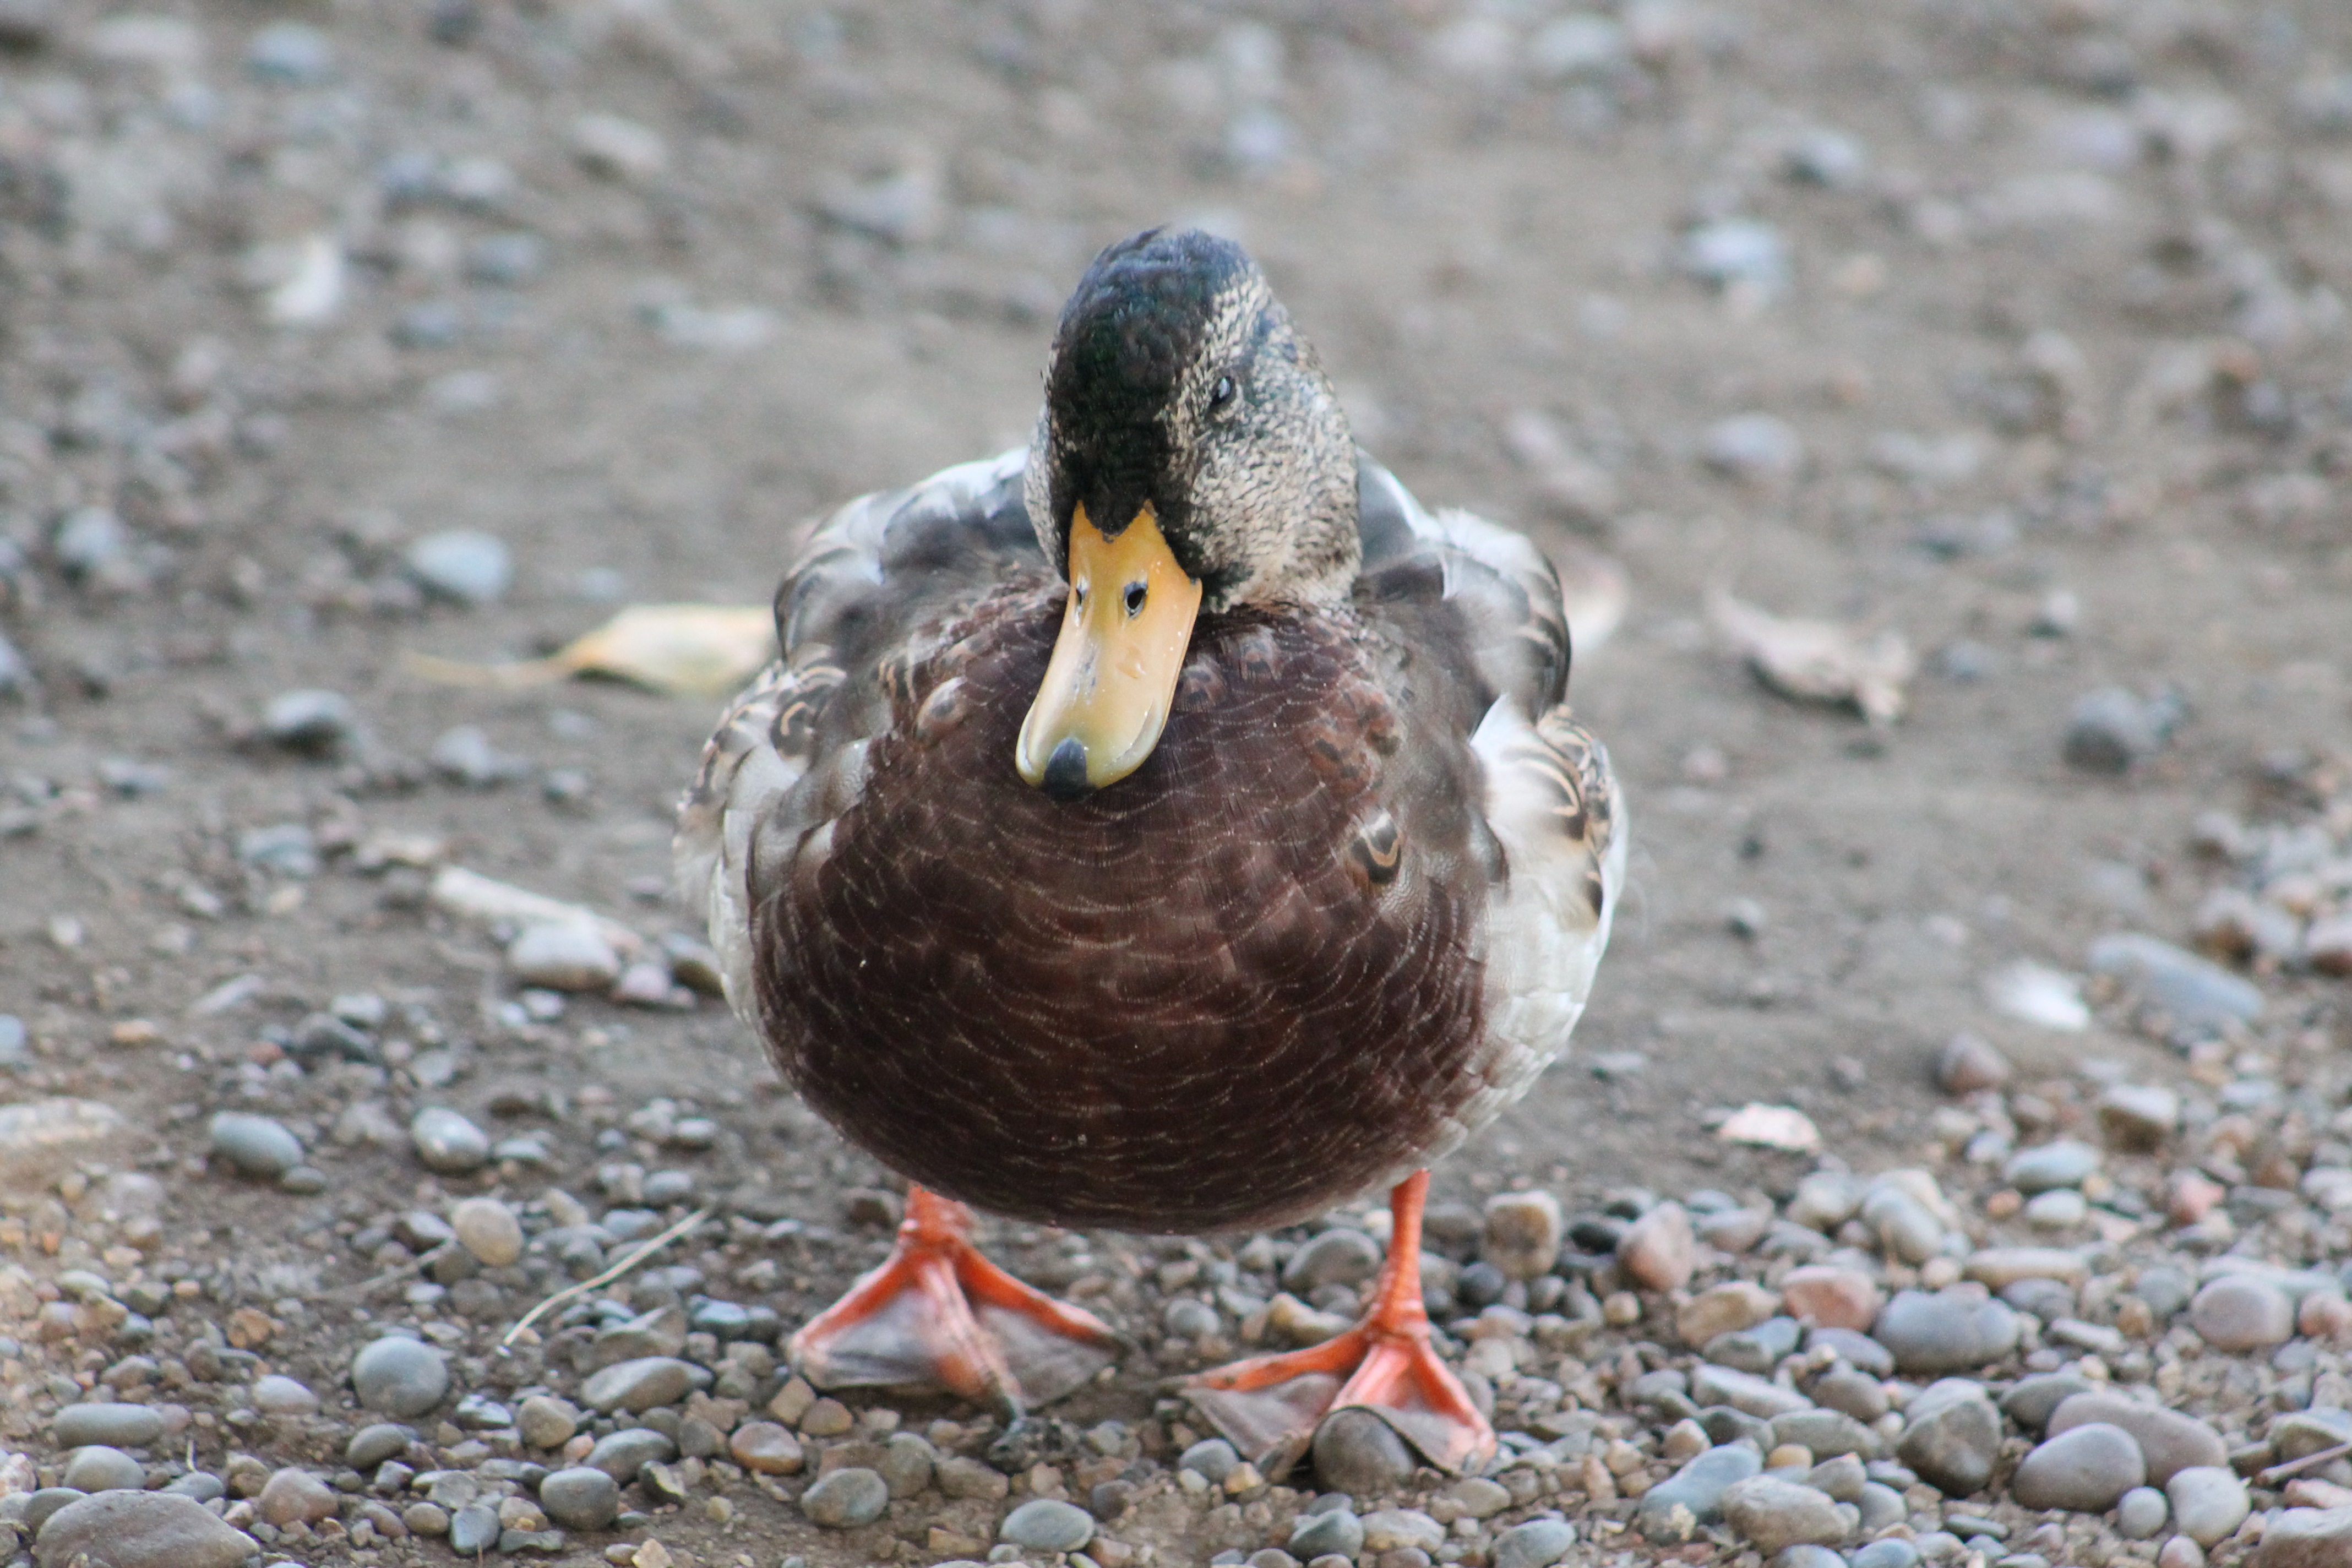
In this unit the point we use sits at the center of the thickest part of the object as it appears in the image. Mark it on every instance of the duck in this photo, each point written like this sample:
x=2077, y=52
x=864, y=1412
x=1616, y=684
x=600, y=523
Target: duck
x=1168, y=825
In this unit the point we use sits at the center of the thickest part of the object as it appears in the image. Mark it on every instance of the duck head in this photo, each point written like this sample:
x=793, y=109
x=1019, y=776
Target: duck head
x=1190, y=457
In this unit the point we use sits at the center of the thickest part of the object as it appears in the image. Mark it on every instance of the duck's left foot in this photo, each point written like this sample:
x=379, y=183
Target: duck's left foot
x=940, y=1315
x=1269, y=1406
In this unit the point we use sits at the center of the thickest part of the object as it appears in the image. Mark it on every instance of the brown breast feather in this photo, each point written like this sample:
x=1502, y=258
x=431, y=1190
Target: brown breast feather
x=1236, y=987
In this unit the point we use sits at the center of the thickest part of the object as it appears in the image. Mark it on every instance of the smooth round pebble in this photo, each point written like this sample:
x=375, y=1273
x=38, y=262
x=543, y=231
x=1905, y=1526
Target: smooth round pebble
x=1539, y=1543
x=580, y=1498
x=563, y=956
x=276, y=1394
x=293, y=1494
x=1956, y=1330
x=2084, y=1470
x=254, y=1145
x=621, y=1455
x=463, y=565
x=2235, y=1313
x=400, y=1376
x=488, y=1229
x=448, y=1142
x=142, y=1530
x=474, y=1529
x=2180, y=1552
x=115, y=1424
x=1773, y=1514
x=310, y=720
x=371, y=1446
x=854, y=1496
x=99, y=1468
x=1357, y=1453
x=2140, y=1513
x=1044, y=1524
x=1805, y=1554
x=644, y=1382
x=2209, y=1503
x=1337, y=1531
x=1887, y=1553
x=2065, y=1162
x=766, y=1447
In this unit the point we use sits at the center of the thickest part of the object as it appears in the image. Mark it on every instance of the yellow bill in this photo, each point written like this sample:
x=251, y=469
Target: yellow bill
x=1106, y=691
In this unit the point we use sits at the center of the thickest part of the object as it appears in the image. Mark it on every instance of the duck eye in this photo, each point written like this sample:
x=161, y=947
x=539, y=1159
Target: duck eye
x=1222, y=392
x=1135, y=598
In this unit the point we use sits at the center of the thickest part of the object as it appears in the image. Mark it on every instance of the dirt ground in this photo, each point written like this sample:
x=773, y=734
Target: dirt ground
x=2049, y=295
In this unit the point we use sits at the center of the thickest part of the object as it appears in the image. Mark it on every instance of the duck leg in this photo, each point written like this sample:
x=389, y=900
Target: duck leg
x=937, y=1314
x=1269, y=1406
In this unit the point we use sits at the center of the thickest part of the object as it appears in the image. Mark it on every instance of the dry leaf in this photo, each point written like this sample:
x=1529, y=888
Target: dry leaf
x=1818, y=660
x=1770, y=1127
x=695, y=649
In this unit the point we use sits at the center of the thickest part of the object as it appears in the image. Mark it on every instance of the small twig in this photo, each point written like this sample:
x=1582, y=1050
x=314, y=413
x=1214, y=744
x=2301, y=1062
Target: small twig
x=2277, y=1473
x=572, y=1293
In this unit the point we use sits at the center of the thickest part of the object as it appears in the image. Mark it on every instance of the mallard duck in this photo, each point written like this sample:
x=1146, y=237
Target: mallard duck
x=1167, y=826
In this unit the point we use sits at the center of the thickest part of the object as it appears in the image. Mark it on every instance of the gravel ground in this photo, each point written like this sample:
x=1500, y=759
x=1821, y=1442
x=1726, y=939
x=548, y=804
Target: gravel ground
x=2003, y=339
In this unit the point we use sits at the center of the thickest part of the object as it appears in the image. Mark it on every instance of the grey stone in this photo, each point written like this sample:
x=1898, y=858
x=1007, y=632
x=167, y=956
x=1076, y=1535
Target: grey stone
x=562, y=957
x=1850, y=1393
x=88, y=541
x=278, y=1394
x=117, y=1424
x=291, y=53
x=311, y=720
x=1903, y=1225
x=1758, y=1396
x=474, y=1529
x=580, y=1497
x=1951, y=1437
x=1738, y=251
x=2169, y=1441
x=1881, y=1505
x=644, y=1383
x=1773, y=1514
x=2299, y=1538
x=2064, y=1163
x=1887, y=1553
x=854, y=1496
x=465, y=755
x=1338, y=1257
x=1523, y=1233
x=400, y=1376
x=2297, y=1434
x=1857, y=1350
x=2032, y=1402
x=1391, y=1529
x=446, y=1141
x=41, y=1504
x=1317, y=1535
x=1827, y=1434
x=621, y=1455
x=2084, y=1470
x=2112, y=730
x=254, y=1145
x=2192, y=991
x=1842, y=1477
x=2238, y=1313
x=1044, y=1524
x=99, y=1468
x=1539, y=1543
x=1955, y=1330
x=2141, y=1514
x=140, y=1530
x=462, y=565
x=1693, y=1496
x=1357, y=1453
x=1806, y=1554
x=2208, y=1502
x=2138, y=1117
x=1212, y=1459
x=1757, y=448
x=371, y=1446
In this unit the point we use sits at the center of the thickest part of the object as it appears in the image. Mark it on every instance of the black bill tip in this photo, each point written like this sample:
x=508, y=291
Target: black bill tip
x=1065, y=772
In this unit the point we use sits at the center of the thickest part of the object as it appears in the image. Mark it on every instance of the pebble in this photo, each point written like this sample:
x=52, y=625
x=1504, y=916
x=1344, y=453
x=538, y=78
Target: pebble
x=1744, y=1391
x=1212, y=1460
x=473, y=1529
x=1523, y=1233
x=290, y=53
x=1539, y=1543
x=2208, y=1502
x=613, y=148
x=1824, y=1296
x=463, y=565
x=1337, y=1530
x=1805, y=1554
x=621, y=1455
x=1725, y=1309
x=1953, y=1329
x=580, y=1497
x=446, y=1141
x=292, y=1494
x=488, y=1229
x=1357, y=1452
x=2307, y=1538
x=566, y=956
x=2180, y=1552
x=2170, y=1440
x=372, y=1444
x=99, y=1468
x=1951, y=1437
x=765, y=1448
x=546, y=1422
x=116, y=1425
x=854, y=1496
x=1399, y=1528
x=2084, y=1468
x=2138, y=1117
x=88, y=541
x=2113, y=731
x=1693, y=1496
x=254, y=1145
x=1904, y=1227
x=1892, y=1553
x=278, y=1394
x=1738, y=251
x=1827, y=1435
x=1969, y=1063
x=1046, y=1524
x=310, y=720
x=400, y=1376
x=2062, y=1163
x=142, y=1530
x=2033, y=1400
x=1773, y=1514
x=2140, y=1513
x=1999, y=1267
x=1340, y=1256
x=2193, y=993
x=1756, y=449
x=1658, y=1251
x=646, y=1382
x=2236, y=1313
